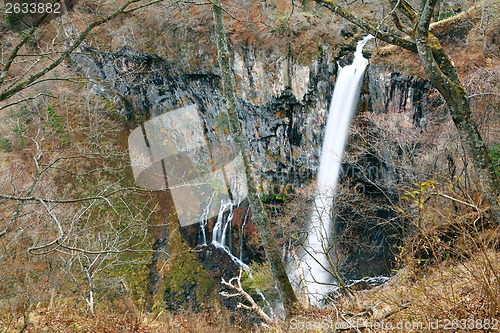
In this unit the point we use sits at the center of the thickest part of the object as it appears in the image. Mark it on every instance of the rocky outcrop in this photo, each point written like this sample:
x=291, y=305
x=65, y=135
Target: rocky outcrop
x=388, y=91
x=282, y=105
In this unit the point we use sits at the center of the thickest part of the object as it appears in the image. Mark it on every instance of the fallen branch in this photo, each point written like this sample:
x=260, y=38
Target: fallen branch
x=393, y=311
x=366, y=324
x=241, y=292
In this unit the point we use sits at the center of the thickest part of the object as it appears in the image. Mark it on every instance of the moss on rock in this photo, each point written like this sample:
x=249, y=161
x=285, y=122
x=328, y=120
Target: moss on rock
x=187, y=285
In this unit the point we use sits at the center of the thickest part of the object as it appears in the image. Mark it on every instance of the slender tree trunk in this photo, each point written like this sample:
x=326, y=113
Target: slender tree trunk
x=259, y=217
x=26, y=320
x=90, y=301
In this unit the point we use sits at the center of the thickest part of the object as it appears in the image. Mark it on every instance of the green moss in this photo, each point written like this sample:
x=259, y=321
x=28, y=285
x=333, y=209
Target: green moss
x=134, y=275
x=5, y=145
x=445, y=15
x=20, y=130
x=259, y=279
x=495, y=156
x=274, y=198
x=187, y=284
x=56, y=123
x=11, y=17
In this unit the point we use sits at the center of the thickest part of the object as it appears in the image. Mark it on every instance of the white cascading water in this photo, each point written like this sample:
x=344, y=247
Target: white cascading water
x=220, y=232
x=222, y=228
x=342, y=108
x=242, y=238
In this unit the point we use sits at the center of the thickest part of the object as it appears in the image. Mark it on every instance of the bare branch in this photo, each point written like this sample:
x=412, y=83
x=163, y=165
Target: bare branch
x=9, y=92
x=241, y=292
x=371, y=29
x=26, y=99
x=23, y=41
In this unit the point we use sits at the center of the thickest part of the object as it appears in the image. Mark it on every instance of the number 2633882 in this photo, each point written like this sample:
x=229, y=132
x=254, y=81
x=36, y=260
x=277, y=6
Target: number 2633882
x=32, y=8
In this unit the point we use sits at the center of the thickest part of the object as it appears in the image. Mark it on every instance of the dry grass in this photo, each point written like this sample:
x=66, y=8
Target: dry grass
x=445, y=291
x=48, y=320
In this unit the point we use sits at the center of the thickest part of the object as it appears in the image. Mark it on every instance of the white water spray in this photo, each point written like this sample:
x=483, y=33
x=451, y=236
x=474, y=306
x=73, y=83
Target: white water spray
x=220, y=227
x=342, y=108
x=242, y=238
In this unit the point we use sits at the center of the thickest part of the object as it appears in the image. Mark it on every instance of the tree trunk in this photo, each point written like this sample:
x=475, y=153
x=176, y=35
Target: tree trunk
x=443, y=75
x=90, y=300
x=259, y=217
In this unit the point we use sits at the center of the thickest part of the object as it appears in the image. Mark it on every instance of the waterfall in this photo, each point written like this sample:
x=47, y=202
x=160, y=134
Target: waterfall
x=219, y=239
x=220, y=227
x=319, y=240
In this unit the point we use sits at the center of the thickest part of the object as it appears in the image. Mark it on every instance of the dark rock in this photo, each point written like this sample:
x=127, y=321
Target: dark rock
x=221, y=266
x=160, y=248
x=283, y=126
x=348, y=30
x=392, y=92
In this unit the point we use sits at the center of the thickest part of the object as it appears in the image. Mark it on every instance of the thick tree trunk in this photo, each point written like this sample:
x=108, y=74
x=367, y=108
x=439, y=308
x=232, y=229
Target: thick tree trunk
x=259, y=217
x=444, y=77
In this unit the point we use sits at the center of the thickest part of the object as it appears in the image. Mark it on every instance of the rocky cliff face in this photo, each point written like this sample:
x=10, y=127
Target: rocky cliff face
x=388, y=91
x=282, y=105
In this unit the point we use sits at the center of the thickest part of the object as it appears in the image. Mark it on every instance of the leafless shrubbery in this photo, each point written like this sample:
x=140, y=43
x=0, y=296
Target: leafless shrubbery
x=483, y=86
x=69, y=212
x=450, y=247
x=452, y=260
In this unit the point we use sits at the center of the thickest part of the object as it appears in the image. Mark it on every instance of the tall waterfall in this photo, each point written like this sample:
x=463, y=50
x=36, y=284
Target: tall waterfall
x=342, y=108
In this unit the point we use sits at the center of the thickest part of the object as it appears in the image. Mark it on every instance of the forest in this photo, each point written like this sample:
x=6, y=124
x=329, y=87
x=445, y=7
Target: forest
x=249, y=166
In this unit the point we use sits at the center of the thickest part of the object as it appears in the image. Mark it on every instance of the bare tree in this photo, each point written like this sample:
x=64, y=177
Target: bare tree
x=66, y=201
x=98, y=249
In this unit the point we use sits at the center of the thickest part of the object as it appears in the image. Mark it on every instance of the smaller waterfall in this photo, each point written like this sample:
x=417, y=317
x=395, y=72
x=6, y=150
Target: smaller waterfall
x=222, y=228
x=204, y=220
x=220, y=231
x=219, y=234
x=319, y=240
